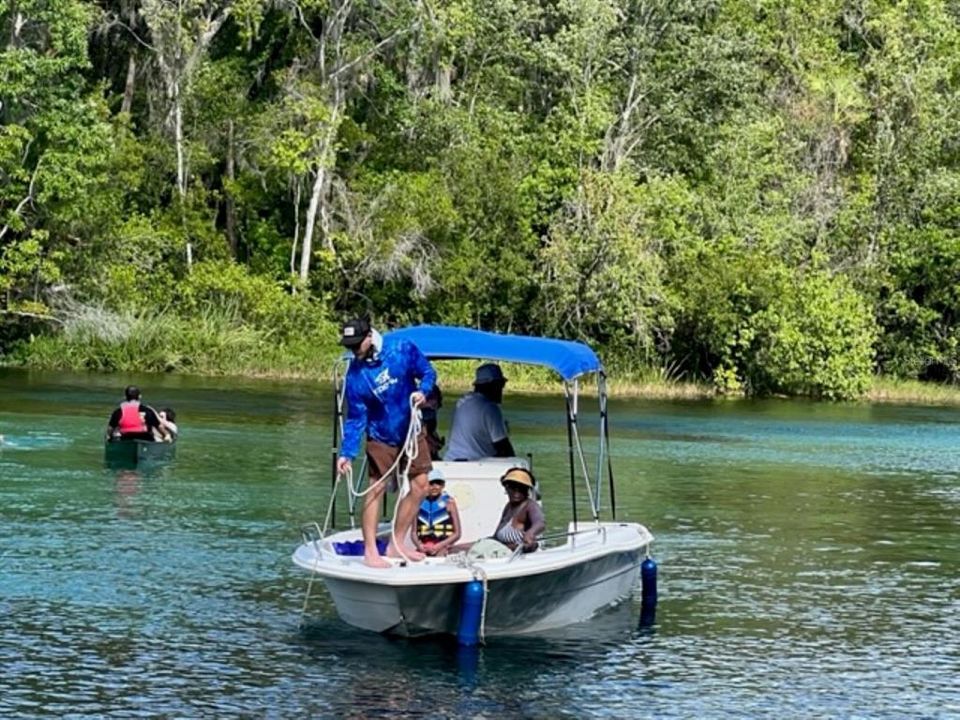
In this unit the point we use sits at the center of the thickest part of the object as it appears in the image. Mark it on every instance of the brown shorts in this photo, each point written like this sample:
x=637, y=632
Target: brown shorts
x=381, y=456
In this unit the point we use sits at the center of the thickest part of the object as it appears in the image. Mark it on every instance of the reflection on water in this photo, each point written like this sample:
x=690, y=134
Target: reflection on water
x=505, y=678
x=807, y=557
x=128, y=487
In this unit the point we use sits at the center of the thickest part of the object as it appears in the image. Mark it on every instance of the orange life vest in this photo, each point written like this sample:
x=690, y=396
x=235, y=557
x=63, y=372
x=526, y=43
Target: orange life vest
x=131, y=421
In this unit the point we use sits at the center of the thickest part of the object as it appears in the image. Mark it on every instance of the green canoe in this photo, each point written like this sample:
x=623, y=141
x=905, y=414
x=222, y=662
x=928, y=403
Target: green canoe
x=132, y=452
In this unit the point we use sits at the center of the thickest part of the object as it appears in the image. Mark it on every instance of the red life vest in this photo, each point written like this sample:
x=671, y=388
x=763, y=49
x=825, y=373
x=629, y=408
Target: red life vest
x=130, y=418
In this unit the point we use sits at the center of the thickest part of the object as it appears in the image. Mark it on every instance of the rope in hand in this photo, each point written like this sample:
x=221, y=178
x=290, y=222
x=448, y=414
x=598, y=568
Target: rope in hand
x=333, y=499
x=409, y=451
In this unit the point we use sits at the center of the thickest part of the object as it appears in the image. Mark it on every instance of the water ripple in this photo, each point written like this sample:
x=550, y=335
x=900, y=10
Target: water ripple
x=807, y=560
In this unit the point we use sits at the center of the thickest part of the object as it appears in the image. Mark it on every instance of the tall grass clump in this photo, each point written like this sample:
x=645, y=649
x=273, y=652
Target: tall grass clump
x=212, y=342
x=892, y=390
x=220, y=320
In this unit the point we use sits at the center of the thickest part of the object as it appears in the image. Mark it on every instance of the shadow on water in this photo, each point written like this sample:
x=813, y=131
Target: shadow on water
x=523, y=658
x=374, y=674
x=648, y=618
x=149, y=467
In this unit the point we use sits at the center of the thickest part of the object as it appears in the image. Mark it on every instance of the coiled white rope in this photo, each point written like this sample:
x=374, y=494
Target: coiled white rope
x=408, y=451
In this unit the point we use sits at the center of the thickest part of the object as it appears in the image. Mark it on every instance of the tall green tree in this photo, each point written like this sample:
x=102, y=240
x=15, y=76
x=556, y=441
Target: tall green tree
x=61, y=179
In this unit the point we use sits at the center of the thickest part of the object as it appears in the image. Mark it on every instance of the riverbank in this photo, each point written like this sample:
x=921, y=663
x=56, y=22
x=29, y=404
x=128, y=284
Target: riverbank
x=316, y=365
x=647, y=385
x=213, y=344
x=886, y=390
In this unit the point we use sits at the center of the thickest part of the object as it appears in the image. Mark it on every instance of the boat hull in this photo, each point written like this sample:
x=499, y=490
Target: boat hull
x=515, y=606
x=533, y=593
x=134, y=452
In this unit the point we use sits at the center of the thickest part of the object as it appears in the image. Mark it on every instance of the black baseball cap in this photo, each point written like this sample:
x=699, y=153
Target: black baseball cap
x=354, y=331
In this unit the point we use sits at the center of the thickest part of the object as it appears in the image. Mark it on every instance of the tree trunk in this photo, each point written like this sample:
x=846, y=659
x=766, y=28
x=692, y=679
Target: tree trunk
x=129, y=85
x=178, y=140
x=316, y=197
x=296, y=225
x=230, y=206
x=18, y=23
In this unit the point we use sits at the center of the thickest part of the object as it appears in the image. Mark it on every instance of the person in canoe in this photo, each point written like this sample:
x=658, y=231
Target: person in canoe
x=133, y=420
x=168, y=425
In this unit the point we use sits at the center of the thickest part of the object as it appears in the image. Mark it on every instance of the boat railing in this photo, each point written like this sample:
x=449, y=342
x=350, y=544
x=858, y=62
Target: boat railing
x=570, y=535
x=311, y=534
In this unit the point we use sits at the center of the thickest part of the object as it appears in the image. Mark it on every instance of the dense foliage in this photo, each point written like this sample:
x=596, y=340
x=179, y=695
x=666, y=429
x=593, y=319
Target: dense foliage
x=764, y=195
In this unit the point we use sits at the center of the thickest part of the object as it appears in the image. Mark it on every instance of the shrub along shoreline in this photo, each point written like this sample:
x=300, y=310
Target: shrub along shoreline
x=215, y=347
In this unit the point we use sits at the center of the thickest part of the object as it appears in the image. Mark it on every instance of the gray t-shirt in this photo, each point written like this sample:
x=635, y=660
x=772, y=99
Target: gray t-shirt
x=477, y=424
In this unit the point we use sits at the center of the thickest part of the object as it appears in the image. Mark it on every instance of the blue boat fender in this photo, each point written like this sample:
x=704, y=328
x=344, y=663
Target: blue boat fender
x=648, y=579
x=471, y=611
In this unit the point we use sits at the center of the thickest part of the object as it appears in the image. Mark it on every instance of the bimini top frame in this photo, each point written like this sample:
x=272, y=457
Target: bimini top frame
x=571, y=360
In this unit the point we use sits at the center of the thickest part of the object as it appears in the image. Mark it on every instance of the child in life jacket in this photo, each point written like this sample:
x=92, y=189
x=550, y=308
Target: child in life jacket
x=438, y=522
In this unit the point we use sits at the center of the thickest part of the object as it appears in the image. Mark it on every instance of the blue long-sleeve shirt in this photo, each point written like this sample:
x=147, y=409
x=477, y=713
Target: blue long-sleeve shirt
x=378, y=394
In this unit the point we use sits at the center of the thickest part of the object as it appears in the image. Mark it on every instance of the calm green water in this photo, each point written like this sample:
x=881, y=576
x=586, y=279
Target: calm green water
x=808, y=558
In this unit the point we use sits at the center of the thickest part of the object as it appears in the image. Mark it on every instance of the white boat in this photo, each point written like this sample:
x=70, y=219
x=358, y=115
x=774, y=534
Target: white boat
x=594, y=564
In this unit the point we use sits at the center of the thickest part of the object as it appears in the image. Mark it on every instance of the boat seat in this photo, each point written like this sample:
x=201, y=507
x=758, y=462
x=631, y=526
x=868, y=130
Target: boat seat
x=475, y=485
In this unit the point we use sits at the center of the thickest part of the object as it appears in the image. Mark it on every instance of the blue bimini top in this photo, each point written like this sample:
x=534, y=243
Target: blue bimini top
x=568, y=358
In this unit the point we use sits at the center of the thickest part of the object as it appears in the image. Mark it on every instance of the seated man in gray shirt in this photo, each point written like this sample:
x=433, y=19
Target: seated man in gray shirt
x=477, y=429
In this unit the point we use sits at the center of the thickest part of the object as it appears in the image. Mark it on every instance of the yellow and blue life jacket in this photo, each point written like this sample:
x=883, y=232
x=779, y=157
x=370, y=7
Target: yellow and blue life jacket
x=433, y=520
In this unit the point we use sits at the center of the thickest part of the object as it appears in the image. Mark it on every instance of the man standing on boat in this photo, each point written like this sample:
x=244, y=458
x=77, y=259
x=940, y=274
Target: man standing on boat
x=383, y=379
x=477, y=429
x=133, y=420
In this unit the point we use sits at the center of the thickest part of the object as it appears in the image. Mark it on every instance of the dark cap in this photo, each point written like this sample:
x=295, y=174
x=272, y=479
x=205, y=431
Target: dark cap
x=354, y=331
x=489, y=373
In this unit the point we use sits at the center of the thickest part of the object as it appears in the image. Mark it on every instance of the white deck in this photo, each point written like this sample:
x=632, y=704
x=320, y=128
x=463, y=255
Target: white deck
x=592, y=542
x=534, y=592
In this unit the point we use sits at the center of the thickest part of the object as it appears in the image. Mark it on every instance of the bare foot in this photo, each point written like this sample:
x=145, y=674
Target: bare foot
x=375, y=561
x=410, y=553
